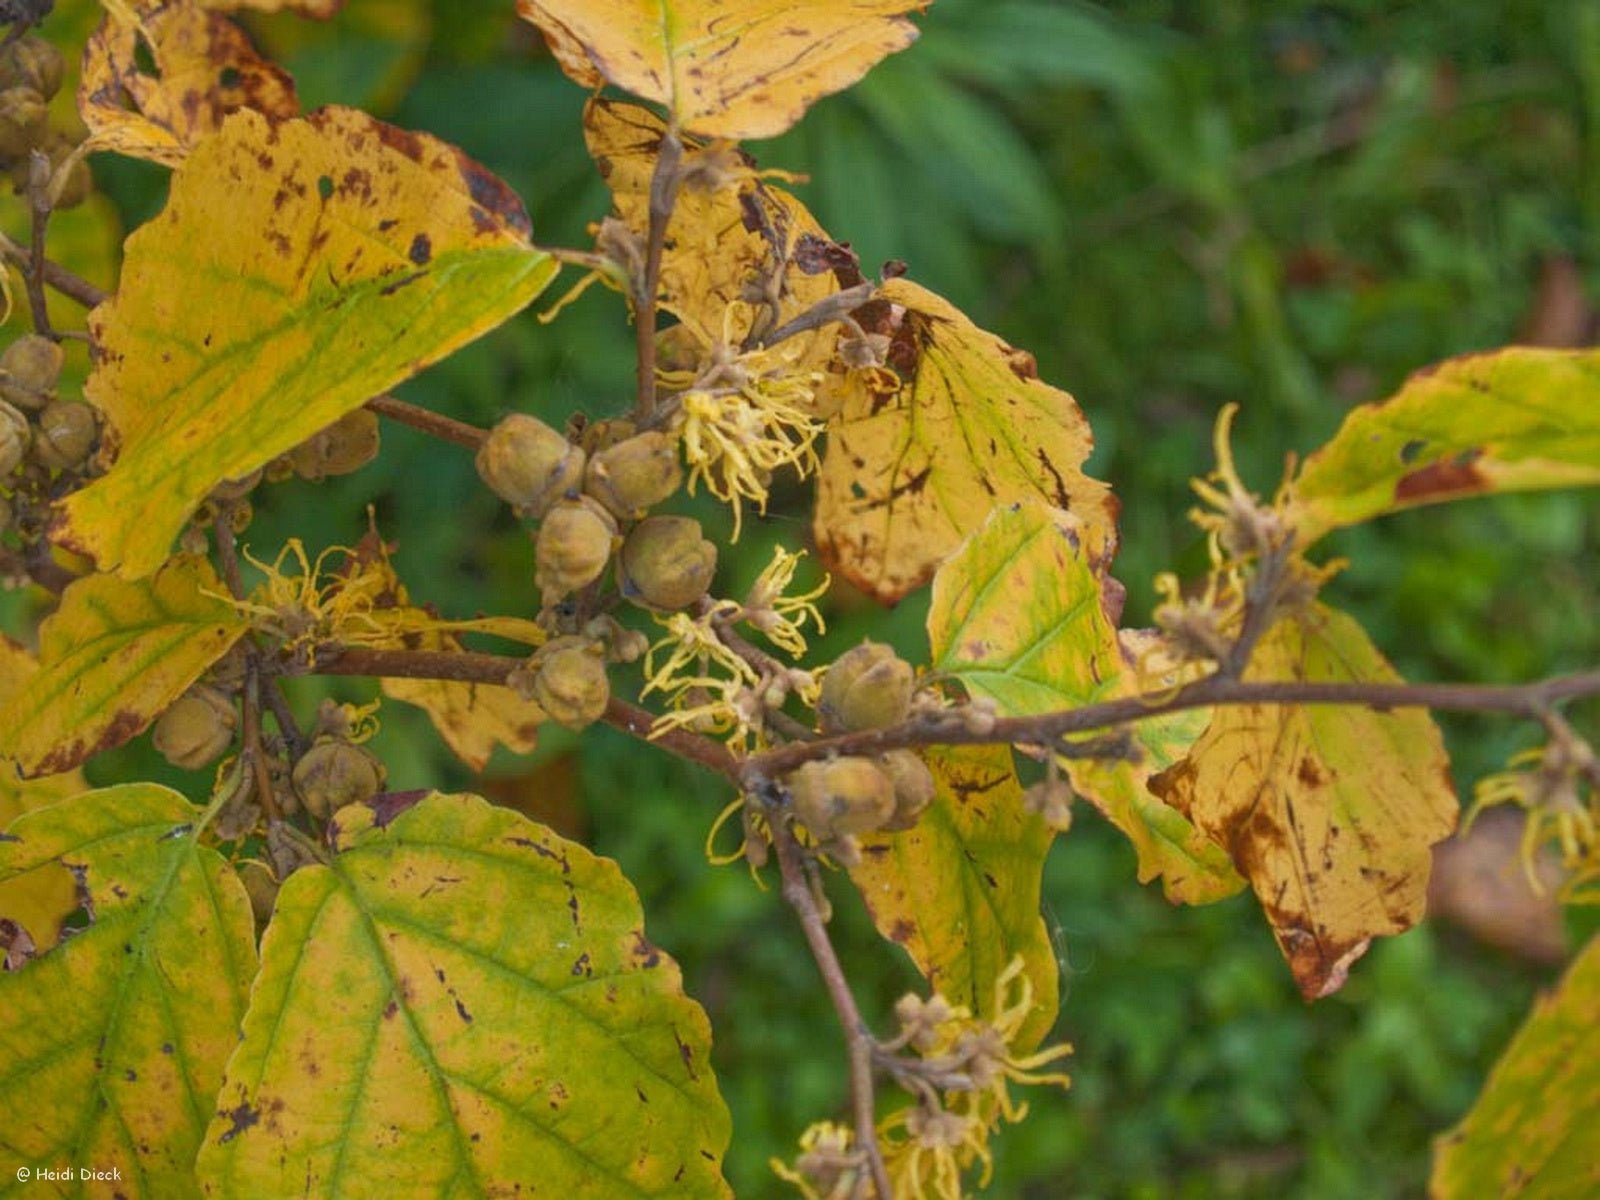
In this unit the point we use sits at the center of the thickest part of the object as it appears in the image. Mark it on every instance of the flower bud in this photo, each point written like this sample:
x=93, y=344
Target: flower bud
x=869, y=687
x=635, y=475
x=333, y=774
x=528, y=464
x=23, y=122
x=66, y=434
x=29, y=369
x=34, y=63
x=842, y=796
x=572, y=548
x=347, y=445
x=569, y=682
x=665, y=563
x=196, y=729
x=913, y=787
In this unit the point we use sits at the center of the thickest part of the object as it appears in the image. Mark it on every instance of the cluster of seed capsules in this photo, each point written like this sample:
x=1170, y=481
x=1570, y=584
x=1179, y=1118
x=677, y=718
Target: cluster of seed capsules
x=45, y=442
x=31, y=70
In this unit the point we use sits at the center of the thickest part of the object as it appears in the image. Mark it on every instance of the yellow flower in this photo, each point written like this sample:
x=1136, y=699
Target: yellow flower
x=829, y=1166
x=316, y=603
x=1556, y=785
x=778, y=616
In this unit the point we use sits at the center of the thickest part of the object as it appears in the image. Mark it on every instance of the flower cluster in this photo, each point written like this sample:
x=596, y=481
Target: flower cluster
x=1559, y=787
x=317, y=603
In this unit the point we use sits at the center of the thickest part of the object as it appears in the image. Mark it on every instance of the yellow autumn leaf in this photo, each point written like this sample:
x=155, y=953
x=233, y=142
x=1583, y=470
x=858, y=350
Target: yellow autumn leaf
x=113, y=1045
x=473, y=718
x=724, y=68
x=913, y=467
x=338, y=255
x=1328, y=811
x=960, y=890
x=204, y=69
x=112, y=658
x=463, y=1003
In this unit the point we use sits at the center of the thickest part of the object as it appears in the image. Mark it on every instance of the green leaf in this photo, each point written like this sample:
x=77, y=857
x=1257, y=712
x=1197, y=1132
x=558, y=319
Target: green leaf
x=464, y=1004
x=113, y=657
x=114, y=1042
x=1513, y=420
x=336, y=256
x=960, y=891
x=1534, y=1129
x=1019, y=617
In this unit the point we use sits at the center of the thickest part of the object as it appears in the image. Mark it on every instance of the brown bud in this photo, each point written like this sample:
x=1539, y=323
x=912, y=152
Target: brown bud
x=15, y=435
x=572, y=548
x=23, y=122
x=842, y=796
x=333, y=774
x=569, y=682
x=196, y=729
x=869, y=687
x=528, y=464
x=913, y=787
x=237, y=489
x=347, y=445
x=635, y=475
x=665, y=563
x=34, y=63
x=65, y=436
x=1051, y=798
x=29, y=369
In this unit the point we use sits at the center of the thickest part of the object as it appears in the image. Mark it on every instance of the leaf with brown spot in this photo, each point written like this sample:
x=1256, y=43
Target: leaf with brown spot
x=112, y=658
x=960, y=890
x=910, y=473
x=724, y=68
x=1511, y=420
x=299, y=236
x=113, y=1043
x=1329, y=812
x=460, y=1003
x=205, y=68
x=1535, y=1127
x=473, y=718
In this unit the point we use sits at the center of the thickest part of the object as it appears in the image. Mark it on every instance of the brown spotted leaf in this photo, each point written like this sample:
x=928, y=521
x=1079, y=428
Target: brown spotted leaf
x=473, y=718
x=337, y=256
x=724, y=68
x=112, y=658
x=912, y=469
x=203, y=68
x=1328, y=811
x=464, y=1004
x=1512, y=420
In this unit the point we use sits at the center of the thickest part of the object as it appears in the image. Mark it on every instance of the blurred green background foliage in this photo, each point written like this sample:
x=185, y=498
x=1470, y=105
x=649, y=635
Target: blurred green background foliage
x=1174, y=204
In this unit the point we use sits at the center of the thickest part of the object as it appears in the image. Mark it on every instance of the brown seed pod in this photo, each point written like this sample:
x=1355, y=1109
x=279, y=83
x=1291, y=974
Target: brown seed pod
x=237, y=489
x=529, y=465
x=913, y=787
x=29, y=369
x=841, y=796
x=665, y=563
x=347, y=445
x=196, y=729
x=333, y=774
x=15, y=434
x=572, y=547
x=65, y=435
x=23, y=123
x=34, y=63
x=635, y=475
x=569, y=682
x=869, y=687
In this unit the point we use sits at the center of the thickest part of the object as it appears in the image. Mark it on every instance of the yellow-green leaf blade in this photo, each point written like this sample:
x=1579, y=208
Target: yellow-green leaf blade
x=114, y=1041
x=337, y=256
x=908, y=475
x=746, y=69
x=1019, y=617
x=113, y=657
x=1513, y=420
x=464, y=1004
x=1328, y=811
x=1534, y=1130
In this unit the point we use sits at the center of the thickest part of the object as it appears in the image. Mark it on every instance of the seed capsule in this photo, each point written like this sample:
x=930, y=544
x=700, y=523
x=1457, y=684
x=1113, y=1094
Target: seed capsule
x=66, y=434
x=529, y=465
x=196, y=729
x=842, y=796
x=635, y=475
x=869, y=687
x=569, y=682
x=33, y=63
x=347, y=445
x=572, y=548
x=29, y=369
x=14, y=438
x=333, y=774
x=913, y=787
x=23, y=122
x=261, y=885
x=665, y=563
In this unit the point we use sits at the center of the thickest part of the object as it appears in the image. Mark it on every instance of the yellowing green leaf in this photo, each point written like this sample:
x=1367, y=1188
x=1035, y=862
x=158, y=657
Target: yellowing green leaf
x=337, y=255
x=741, y=69
x=1533, y=1131
x=910, y=473
x=113, y=1044
x=205, y=68
x=960, y=891
x=1019, y=617
x=1511, y=420
x=1329, y=812
x=464, y=1004
x=112, y=658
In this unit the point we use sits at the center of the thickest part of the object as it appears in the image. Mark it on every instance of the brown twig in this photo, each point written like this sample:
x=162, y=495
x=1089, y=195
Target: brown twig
x=39, y=206
x=664, y=182
x=74, y=287
x=252, y=738
x=435, y=424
